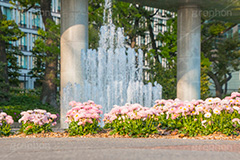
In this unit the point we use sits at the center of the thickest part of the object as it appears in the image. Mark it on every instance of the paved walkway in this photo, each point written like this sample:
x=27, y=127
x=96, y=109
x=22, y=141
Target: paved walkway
x=117, y=149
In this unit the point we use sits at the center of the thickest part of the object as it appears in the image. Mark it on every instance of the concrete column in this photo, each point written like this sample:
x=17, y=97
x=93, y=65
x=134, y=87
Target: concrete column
x=74, y=39
x=188, y=56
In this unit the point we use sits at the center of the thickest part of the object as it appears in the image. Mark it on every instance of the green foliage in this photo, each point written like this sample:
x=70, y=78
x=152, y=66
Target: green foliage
x=164, y=70
x=192, y=125
x=168, y=40
x=5, y=129
x=222, y=51
x=23, y=102
x=205, y=79
x=9, y=32
x=89, y=128
x=13, y=66
x=131, y=17
x=133, y=127
x=205, y=85
x=95, y=13
x=31, y=128
x=44, y=51
x=26, y=4
x=3, y=84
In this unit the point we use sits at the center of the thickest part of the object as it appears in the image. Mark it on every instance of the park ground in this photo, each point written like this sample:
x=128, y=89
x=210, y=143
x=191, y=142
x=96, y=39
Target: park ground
x=117, y=149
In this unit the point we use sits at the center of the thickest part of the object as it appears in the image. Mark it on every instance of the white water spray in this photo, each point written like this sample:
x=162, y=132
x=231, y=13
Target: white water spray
x=112, y=74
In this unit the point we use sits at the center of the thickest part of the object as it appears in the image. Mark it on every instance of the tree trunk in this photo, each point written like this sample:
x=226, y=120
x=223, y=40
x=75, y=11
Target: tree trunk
x=226, y=86
x=153, y=41
x=219, y=90
x=133, y=38
x=218, y=86
x=49, y=86
x=46, y=6
x=4, y=87
x=227, y=77
x=133, y=42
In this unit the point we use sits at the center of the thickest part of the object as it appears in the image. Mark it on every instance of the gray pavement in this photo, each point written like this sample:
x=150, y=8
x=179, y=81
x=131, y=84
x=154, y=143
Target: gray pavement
x=117, y=149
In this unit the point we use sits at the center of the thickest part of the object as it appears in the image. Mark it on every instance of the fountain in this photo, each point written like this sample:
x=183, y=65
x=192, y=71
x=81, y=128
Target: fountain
x=74, y=38
x=112, y=74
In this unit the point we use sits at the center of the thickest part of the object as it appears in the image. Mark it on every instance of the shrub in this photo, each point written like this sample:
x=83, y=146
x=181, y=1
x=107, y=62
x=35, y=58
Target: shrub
x=83, y=118
x=5, y=122
x=37, y=121
x=20, y=103
x=132, y=119
x=200, y=117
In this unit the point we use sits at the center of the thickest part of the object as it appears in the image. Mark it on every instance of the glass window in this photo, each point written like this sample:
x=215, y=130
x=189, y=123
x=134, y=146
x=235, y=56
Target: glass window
x=30, y=62
x=34, y=61
x=22, y=21
x=56, y=20
x=34, y=38
x=143, y=40
x=23, y=43
x=53, y=4
x=7, y=12
x=59, y=6
x=35, y=21
x=23, y=61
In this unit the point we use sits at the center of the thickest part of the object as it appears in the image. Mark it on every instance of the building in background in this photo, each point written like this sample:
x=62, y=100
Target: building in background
x=29, y=22
x=159, y=25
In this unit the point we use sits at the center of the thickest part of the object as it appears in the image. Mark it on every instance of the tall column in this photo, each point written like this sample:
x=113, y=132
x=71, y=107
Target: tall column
x=188, y=56
x=74, y=39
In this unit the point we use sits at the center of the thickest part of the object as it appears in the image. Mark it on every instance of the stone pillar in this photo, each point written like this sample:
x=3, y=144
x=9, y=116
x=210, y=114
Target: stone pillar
x=74, y=39
x=189, y=49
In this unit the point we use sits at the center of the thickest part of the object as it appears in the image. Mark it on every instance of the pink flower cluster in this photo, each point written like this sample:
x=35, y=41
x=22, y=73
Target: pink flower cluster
x=38, y=117
x=176, y=108
x=83, y=112
x=131, y=111
x=4, y=118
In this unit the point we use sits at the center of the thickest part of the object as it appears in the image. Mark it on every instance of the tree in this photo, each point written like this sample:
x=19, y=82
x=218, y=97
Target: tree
x=9, y=32
x=222, y=52
x=41, y=50
x=47, y=64
x=131, y=17
x=165, y=67
x=49, y=85
x=95, y=13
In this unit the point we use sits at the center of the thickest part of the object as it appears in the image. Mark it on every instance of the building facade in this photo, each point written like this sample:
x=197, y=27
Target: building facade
x=29, y=22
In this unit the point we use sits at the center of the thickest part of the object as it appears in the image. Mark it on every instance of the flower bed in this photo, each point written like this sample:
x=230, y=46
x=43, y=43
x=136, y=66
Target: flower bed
x=172, y=117
x=37, y=121
x=193, y=118
x=201, y=117
x=5, y=122
x=132, y=119
x=83, y=118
